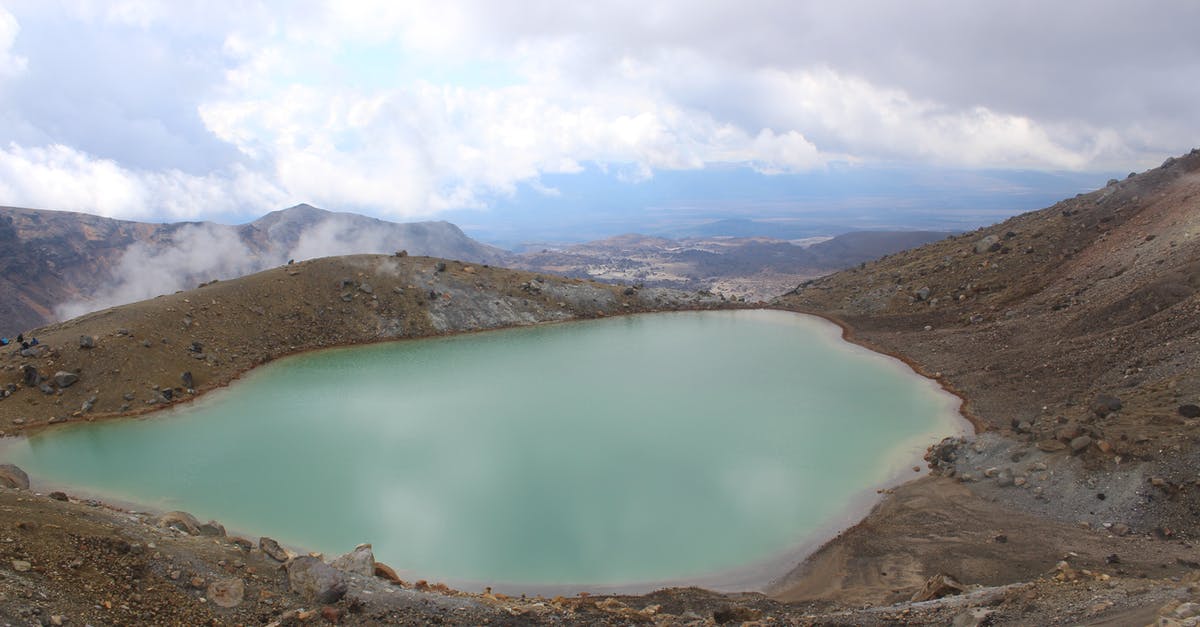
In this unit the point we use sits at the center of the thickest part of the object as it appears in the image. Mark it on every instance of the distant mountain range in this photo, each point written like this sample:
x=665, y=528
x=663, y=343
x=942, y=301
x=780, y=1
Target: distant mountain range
x=56, y=265
x=752, y=267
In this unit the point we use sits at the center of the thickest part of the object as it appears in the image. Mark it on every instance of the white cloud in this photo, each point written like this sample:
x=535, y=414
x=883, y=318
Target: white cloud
x=10, y=64
x=409, y=108
x=61, y=177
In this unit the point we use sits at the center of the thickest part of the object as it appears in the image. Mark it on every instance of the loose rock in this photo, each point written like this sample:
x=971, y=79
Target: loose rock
x=227, y=592
x=30, y=376
x=938, y=586
x=211, y=528
x=1105, y=405
x=272, y=548
x=360, y=561
x=315, y=580
x=13, y=477
x=181, y=521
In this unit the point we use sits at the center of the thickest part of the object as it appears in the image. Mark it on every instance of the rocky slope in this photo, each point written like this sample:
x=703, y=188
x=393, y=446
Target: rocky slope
x=56, y=264
x=1074, y=335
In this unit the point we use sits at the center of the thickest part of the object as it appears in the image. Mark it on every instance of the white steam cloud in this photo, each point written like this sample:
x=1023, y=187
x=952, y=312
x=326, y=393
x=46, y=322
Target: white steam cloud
x=198, y=253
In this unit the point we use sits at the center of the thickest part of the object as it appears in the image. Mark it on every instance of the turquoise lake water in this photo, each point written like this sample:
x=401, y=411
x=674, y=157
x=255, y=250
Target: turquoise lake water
x=634, y=449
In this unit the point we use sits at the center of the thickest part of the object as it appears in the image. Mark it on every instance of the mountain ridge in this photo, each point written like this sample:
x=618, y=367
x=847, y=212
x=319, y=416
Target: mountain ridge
x=58, y=264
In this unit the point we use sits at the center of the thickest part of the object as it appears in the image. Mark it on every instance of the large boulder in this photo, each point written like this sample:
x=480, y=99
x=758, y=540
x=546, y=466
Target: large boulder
x=360, y=561
x=315, y=580
x=13, y=477
x=181, y=521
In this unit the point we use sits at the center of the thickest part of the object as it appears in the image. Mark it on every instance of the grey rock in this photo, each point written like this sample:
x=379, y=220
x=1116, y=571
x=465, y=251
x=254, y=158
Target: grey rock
x=13, y=477
x=360, y=561
x=986, y=244
x=182, y=521
x=189, y=383
x=226, y=592
x=1105, y=404
x=1080, y=443
x=272, y=548
x=211, y=528
x=366, y=288
x=46, y=389
x=87, y=341
x=1189, y=410
x=315, y=580
x=64, y=379
x=30, y=376
x=922, y=293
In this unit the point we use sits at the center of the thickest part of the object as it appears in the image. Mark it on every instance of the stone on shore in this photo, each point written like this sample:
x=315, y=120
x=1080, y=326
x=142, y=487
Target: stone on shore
x=13, y=477
x=272, y=548
x=181, y=521
x=315, y=580
x=211, y=528
x=360, y=561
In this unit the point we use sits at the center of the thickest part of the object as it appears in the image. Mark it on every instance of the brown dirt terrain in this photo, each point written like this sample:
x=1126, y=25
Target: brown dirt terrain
x=1035, y=321
x=1072, y=508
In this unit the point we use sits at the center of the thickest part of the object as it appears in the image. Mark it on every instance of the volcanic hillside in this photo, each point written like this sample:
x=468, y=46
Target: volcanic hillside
x=1074, y=327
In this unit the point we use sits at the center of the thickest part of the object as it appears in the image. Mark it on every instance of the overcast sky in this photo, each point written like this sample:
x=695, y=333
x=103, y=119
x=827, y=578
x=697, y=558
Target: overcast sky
x=169, y=109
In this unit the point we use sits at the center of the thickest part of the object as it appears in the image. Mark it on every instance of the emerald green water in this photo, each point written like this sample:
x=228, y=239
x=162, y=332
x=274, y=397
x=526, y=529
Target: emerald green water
x=644, y=448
